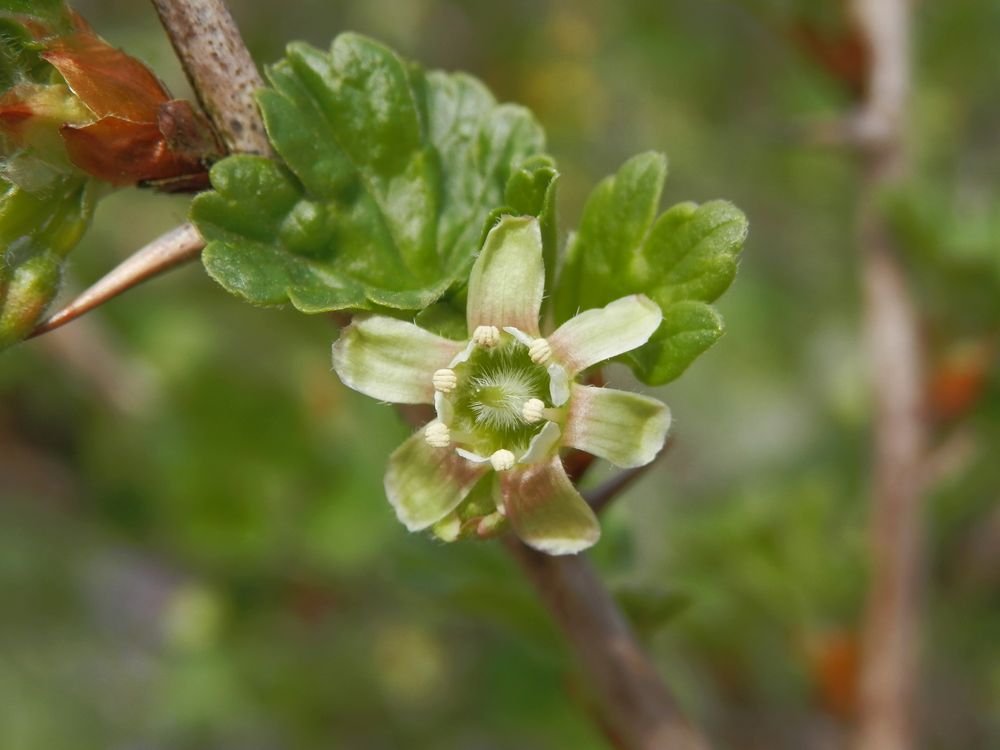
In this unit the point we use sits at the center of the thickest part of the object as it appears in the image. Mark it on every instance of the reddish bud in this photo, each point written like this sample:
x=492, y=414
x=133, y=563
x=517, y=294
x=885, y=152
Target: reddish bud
x=113, y=119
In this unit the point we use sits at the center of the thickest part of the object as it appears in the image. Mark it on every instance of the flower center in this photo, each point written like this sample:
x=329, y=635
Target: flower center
x=492, y=388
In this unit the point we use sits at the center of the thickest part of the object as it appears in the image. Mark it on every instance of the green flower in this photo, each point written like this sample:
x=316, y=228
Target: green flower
x=506, y=402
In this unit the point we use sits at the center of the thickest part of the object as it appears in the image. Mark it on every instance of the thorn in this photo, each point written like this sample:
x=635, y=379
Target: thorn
x=177, y=246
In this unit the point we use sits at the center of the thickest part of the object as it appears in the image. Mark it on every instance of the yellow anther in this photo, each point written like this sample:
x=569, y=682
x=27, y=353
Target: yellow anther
x=540, y=351
x=532, y=410
x=445, y=380
x=502, y=460
x=486, y=336
x=437, y=434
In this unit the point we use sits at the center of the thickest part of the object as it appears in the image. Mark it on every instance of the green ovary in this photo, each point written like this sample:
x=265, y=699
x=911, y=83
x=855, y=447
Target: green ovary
x=493, y=386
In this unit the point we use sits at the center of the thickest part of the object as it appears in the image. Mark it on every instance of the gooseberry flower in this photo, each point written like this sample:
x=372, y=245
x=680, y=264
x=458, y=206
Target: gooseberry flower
x=506, y=400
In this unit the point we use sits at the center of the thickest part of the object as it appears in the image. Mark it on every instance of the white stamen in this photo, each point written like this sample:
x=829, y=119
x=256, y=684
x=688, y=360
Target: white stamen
x=532, y=410
x=502, y=460
x=445, y=380
x=437, y=434
x=540, y=351
x=486, y=336
x=471, y=457
x=448, y=528
x=519, y=335
x=489, y=525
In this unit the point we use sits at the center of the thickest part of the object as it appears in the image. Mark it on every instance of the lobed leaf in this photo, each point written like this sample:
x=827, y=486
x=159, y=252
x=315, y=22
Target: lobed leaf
x=682, y=260
x=389, y=174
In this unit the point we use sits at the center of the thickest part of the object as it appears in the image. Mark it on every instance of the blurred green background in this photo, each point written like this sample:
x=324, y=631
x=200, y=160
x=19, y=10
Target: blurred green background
x=195, y=549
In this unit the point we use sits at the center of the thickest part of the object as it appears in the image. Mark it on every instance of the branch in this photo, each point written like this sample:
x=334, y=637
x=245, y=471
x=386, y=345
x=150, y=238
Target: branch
x=601, y=496
x=219, y=68
x=167, y=251
x=889, y=670
x=224, y=78
x=636, y=710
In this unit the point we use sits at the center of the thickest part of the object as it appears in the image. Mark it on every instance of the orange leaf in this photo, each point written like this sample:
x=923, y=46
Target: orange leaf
x=108, y=81
x=124, y=152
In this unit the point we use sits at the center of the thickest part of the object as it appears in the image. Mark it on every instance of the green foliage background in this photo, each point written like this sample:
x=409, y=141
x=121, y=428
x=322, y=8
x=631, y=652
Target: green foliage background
x=195, y=550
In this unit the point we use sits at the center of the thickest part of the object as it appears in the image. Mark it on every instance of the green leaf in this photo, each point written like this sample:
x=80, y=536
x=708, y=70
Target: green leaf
x=688, y=330
x=36, y=232
x=683, y=260
x=531, y=190
x=54, y=12
x=390, y=174
x=443, y=319
x=17, y=59
x=650, y=609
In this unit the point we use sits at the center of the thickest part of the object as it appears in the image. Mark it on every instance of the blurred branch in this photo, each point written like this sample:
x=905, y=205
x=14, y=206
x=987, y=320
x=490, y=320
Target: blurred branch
x=889, y=670
x=219, y=67
x=636, y=710
x=978, y=563
x=601, y=496
x=113, y=376
x=167, y=251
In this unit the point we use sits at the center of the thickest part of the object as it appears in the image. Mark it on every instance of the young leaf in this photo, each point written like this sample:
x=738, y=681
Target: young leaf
x=683, y=260
x=18, y=61
x=105, y=114
x=53, y=13
x=390, y=175
x=531, y=190
x=36, y=232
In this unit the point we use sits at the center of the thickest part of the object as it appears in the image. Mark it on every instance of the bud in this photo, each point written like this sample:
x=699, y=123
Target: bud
x=108, y=118
x=25, y=293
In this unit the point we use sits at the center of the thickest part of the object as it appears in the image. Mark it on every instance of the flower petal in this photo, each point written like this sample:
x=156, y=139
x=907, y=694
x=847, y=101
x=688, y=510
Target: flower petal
x=391, y=360
x=596, y=335
x=508, y=278
x=627, y=429
x=559, y=382
x=473, y=457
x=546, y=511
x=443, y=408
x=542, y=445
x=425, y=484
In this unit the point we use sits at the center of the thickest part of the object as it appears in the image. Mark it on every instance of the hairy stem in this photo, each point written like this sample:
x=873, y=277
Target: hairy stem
x=219, y=67
x=634, y=707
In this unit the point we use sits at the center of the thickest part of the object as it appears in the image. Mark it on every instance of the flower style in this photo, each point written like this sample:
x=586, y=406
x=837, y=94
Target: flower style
x=506, y=402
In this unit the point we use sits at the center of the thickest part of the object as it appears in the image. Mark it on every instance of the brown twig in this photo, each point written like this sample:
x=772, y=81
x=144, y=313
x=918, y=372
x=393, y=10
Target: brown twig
x=602, y=495
x=220, y=69
x=889, y=671
x=167, y=251
x=224, y=78
x=634, y=706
